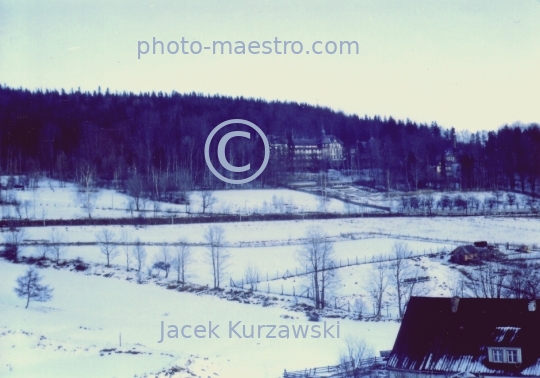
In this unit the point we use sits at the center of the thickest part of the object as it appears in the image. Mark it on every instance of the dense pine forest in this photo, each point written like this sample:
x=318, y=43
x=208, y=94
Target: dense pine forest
x=153, y=142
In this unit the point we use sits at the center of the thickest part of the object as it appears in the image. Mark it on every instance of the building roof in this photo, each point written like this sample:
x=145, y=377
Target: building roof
x=465, y=249
x=323, y=139
x=434, y=338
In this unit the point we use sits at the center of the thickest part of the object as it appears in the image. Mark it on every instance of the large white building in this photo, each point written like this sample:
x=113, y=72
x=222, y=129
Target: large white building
x=323, y=152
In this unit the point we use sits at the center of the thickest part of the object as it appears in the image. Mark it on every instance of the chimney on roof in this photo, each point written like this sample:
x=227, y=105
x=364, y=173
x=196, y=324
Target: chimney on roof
x=455, y=304
x=532, y=305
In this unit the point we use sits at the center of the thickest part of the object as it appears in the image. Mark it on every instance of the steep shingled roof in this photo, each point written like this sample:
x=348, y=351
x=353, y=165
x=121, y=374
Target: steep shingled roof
x=433, y=338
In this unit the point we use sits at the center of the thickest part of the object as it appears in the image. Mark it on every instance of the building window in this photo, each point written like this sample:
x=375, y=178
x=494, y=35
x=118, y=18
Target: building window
x=497, y=355
x=505, y=355
x=512, y=356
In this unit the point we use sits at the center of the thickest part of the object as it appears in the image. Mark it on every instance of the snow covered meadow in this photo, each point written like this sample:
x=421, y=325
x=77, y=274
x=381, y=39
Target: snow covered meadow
x=58, y=200
x=105, y=321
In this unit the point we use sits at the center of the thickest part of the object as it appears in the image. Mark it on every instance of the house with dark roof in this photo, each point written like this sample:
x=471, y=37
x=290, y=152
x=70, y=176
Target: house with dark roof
x=464, y=254
x=466, y=337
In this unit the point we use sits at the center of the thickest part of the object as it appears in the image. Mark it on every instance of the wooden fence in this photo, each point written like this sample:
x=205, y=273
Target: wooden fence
x=349, y=369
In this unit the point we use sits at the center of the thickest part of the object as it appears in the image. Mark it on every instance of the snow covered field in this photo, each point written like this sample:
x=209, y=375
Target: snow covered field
x=56, y=200
x=78, y=332
x=64, y=337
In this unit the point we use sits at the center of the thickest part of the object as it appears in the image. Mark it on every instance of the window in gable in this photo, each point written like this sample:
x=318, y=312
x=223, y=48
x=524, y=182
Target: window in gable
x=497, y=355
x=505, y=355
x=512, y=356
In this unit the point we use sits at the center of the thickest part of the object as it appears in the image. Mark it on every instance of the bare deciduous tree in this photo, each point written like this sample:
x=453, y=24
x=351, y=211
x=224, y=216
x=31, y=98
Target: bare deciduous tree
x=358, y=306
x=56, y=244
x=139, y=253
x=181, y=260
x=399, y=271
x=217, y=255
x=317, y=256
x=29, y=287
x=106, y=240
x=87, y=192
x=377, y=285
x=18, y=207
x=524, y=281
x=252, y=276
x=125, y=238
x=405, y=276
x=207, y=199
x=351, y=358
x=26, y=206
x=135, y=188
x=43, y=250
x=165, y=260
x=13, y=239
x=489, y=280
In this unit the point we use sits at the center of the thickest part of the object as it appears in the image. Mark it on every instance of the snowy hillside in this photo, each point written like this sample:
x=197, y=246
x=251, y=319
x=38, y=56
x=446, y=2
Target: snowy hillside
x=59, y=200
x=67, y=336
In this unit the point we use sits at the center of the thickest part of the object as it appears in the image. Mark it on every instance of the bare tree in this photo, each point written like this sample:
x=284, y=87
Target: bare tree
x=358, y=306
x=188, y=142
x=524, y=281
x=139, y=253
x=26, y=206
x=13, y=239
x=87, y=193
x=135, y=188
x=106, y=241
x=18, y=207
x=29, y=287
x=252, y=276
x=56, y=244
x=489, y=280
x=405, y=277
x=156, y=208
x=351, y=358
x=217, y=255
x=43, y=250
x=165, y=262
x=207, y=199
x=377, y=285
x=413, y=285
x=429, y=202
x=317, y=257
x=125, y=238
x=399, y=271
x=181, y=260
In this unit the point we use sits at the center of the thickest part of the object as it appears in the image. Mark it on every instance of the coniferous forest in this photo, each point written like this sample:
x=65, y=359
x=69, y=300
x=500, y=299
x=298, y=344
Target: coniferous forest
x=153, y=142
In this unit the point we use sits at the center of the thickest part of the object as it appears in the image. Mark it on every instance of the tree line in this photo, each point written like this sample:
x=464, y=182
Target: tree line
x=152, y=144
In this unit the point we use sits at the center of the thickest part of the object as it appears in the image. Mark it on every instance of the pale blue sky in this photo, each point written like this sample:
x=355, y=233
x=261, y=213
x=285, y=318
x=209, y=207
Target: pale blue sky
x=469, y=64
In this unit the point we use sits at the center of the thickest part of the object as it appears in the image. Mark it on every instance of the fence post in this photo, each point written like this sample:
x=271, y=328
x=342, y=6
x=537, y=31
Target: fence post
x=281, y=289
